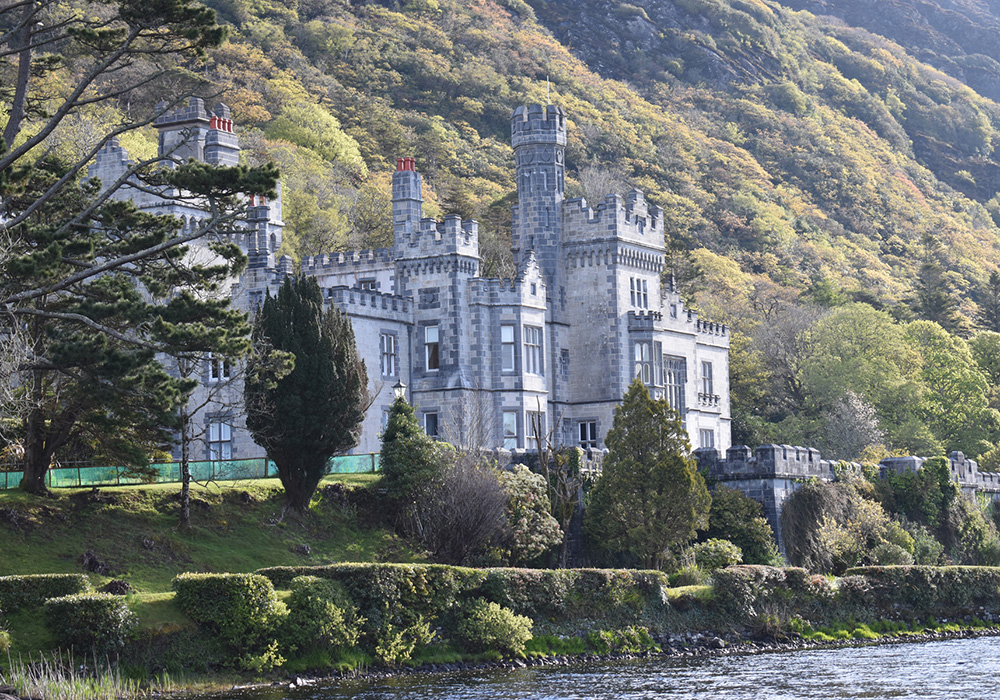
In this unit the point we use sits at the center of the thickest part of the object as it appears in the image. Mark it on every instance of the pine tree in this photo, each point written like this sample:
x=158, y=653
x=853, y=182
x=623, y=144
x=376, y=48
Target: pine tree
x=650, y=497
x=989, y=304
x=96, y=286
x=314, y=411
x=409, y=461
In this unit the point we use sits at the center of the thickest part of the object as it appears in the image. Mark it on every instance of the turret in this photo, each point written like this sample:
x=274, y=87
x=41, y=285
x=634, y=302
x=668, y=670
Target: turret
x=538, y=135
x=193, y=132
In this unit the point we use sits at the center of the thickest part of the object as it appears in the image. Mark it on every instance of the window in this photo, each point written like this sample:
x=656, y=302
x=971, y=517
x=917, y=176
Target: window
x=706, y=379
x=367, y=285
x=675, y=379
x=638, y=293
x=532, y=350
x=387, y=350
x=507, y=348
x=643, y=366
x=432, y=358
x=219, y=369
x=220, y=440
x=707, y=438
x=385, y=418
x=431, y=424
x=588, y=433
x=535, y=424
x=510, y=429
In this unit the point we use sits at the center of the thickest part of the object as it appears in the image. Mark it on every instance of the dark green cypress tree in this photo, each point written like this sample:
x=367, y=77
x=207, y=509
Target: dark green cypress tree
x=409, y=461
x=313, y=412
x=650, y=498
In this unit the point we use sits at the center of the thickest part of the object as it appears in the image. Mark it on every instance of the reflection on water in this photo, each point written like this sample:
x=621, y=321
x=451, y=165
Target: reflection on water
x=959, y=669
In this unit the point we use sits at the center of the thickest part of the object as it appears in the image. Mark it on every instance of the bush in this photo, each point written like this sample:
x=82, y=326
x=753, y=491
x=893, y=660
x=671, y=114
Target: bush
x=97, y=623
x=239, y=609
x=319, y=615
x=738, y=518
x=24, y=592
x=716, y=554
x=4, y=641
x=487, y=626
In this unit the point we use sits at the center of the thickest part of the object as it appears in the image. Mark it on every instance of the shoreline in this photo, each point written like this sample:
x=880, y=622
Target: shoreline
x=709, y=647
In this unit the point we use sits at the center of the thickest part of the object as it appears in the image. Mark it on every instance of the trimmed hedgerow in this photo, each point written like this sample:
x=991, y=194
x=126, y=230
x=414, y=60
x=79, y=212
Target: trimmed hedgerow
x=924, y=590
x=239, y=609
x=90, y=623
x=31, y=591
x=433, y=590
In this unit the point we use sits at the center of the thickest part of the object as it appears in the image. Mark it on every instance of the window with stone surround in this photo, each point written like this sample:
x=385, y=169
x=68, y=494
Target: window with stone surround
x=507, y=348
x=219, y=368
x=533, y=350
x=431, y=424
x=432, y=350
x=706, y=438
x=368, y=285
x=534, y=426
x=510, y=430
x=387, y=352
x=588, y=434
x=675, y=380
x=643, y=365
x=220, y=439
x=638, y=293
x=707, y=385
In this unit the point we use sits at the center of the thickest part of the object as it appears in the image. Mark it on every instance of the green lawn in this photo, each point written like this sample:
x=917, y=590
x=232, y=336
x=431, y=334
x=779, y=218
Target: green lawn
x=236, y=527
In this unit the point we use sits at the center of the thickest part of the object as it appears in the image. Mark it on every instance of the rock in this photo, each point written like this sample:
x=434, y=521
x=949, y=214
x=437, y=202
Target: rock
x=93, y=564
x=116, y=587
x=302, y=549
x=717, y=643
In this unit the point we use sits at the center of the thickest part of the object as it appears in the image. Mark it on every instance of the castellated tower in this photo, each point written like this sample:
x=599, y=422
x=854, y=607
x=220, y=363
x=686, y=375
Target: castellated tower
x=538, y=135
x=194, y=132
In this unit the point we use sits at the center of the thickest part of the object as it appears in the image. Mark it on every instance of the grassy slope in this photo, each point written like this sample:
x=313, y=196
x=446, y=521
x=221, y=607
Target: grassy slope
x=236, y=527
x=137, y=535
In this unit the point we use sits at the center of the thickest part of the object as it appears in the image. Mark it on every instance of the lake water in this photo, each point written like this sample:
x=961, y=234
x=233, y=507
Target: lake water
x=959, y=669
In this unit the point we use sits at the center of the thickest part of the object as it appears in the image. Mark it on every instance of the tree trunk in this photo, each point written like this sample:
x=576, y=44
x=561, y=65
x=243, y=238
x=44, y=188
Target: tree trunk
x=17, y=108
x=185, y=473
x=36, y=457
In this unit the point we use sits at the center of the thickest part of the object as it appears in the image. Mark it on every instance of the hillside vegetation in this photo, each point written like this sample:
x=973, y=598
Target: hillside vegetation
x=803, y=163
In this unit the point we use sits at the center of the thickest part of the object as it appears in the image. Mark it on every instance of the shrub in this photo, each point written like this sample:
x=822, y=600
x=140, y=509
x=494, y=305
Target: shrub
x=319, y=615
x=738, y=518
x=689, y=575
x=716, y=554
x=397, y=644
x=17, y=592
x=630, y=640
x=4, y=641
x=888, y=554
x=740, y=590
x=239, y=609
x=487, y=626
x=97, y=623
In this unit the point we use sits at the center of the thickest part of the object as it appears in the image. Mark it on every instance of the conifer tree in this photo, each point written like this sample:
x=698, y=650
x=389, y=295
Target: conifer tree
x=313, y=412
x=409, y=461
x=650, y=497
x=97, y=286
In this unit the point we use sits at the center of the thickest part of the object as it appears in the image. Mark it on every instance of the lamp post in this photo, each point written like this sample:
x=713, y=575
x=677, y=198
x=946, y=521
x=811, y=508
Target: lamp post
x=399, y=389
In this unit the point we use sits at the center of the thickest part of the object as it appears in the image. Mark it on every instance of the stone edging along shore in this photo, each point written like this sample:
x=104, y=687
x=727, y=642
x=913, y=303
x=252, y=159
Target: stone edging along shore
x=690, y=645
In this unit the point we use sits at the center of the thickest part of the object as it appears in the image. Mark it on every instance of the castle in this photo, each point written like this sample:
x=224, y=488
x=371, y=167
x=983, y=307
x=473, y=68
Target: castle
x=485, y=362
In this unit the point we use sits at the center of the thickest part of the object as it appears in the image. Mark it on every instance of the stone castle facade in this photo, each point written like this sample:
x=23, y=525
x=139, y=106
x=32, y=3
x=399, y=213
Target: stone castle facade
x=485, y=362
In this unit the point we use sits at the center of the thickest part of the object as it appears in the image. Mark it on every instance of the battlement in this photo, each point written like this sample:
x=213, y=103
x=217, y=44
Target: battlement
x=341, y=262
x=532, y=124
x=364, y=302
x=629, y=218
x=644, y=320
x=431, y=237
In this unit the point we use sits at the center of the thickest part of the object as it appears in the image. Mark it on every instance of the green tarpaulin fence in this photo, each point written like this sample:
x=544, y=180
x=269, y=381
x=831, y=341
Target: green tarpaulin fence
x=219, y=470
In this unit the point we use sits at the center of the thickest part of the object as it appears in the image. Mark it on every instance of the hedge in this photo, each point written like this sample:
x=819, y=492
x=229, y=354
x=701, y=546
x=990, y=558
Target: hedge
x=433, y=590
x=31, y=591
x=239, y=609
x=924, y=590
x=97, y=623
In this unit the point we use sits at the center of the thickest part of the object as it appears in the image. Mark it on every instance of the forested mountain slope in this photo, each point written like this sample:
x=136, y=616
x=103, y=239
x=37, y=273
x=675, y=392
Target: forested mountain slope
x=804, y=162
